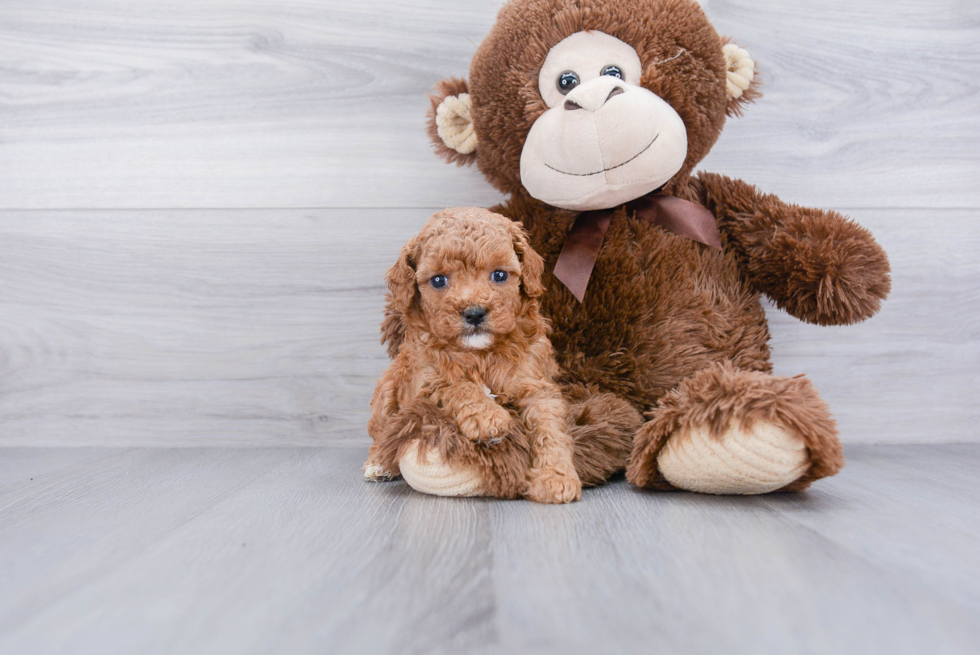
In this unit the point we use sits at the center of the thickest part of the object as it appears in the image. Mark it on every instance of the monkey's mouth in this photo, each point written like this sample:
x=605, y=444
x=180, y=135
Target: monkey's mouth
x=604, y=170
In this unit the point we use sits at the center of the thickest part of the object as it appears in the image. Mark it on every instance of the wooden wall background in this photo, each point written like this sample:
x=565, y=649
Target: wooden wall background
x=198, y=201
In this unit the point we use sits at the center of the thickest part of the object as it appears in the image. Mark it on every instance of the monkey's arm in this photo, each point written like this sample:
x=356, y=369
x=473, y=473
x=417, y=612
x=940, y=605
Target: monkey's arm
x=818, y=265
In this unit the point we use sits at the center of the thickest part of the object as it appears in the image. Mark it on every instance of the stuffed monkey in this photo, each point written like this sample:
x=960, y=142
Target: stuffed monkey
x=592, y=115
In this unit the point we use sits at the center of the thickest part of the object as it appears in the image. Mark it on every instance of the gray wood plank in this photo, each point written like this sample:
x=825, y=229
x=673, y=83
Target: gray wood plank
x=302, y=104
x=705, y=575
x=862, y=101
x=287, y=550
x=105, y=510
x=884, y=488
x=260, y=328
x=19, y=466
x=303, y=549
x=193, y=327
x=910, y=374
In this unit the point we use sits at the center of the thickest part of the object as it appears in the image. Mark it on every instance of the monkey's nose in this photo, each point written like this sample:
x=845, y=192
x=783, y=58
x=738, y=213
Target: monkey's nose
x=475, y=315
x=594, y=94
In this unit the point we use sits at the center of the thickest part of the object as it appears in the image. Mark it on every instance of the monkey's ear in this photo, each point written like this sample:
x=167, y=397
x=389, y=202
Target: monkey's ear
x=532, y=266
x=401, y=300
x=742, y=83
x=450, y=121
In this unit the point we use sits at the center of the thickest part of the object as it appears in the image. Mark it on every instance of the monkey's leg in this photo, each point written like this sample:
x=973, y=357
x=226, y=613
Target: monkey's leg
x=602, y=426
x=436, y=458
x=727, y=431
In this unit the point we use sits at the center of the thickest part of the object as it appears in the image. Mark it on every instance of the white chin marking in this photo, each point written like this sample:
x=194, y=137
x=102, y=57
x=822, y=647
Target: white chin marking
x=477, y=341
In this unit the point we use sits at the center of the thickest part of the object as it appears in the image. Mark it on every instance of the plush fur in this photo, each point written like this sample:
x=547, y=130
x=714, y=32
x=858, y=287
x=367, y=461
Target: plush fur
x=721, y=395
x=451, y=87
x=673, y=328
x=437, y=389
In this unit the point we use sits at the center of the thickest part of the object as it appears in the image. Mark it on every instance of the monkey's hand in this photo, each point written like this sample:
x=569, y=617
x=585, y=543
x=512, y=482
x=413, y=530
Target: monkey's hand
x=818, y=265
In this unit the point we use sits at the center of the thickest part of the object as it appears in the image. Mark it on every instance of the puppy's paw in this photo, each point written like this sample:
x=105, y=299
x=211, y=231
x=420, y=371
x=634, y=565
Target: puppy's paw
x=491, y=425
x=376, y=473
x=554, y=486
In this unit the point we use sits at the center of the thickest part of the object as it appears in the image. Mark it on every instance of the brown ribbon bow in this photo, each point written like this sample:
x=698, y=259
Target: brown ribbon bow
x=578, y=257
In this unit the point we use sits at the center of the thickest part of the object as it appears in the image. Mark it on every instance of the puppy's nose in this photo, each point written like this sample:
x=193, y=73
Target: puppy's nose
x=475, y=315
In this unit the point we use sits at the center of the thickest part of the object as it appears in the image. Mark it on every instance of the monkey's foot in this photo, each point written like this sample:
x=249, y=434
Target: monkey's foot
x=755, y=461
x=424, y=469
x=725, y=431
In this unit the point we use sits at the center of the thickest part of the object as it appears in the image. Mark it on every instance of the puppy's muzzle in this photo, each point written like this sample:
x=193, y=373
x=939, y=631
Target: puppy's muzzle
x=474, y=316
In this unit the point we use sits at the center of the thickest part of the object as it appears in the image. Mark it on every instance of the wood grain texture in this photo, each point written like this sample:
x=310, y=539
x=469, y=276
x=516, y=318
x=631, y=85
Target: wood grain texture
x=288, y=550
x=911, y=372
x=260, y=327
x=97, y=503
x=320, y=104
x=193, y=327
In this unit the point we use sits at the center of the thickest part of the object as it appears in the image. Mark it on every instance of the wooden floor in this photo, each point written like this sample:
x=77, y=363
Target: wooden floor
x=287, y=550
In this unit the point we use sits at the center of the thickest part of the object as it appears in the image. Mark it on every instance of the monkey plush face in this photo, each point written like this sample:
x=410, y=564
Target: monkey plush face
x=588, y=104
x=604, y=139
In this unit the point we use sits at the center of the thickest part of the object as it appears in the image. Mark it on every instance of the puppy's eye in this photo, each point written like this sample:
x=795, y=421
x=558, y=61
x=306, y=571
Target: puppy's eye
x=499, y=276
x=567, y=81
x=614, y=71
x=438, y=281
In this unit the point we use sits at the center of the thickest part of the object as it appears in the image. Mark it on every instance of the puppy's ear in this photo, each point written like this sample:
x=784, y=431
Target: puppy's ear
x=532, y=266
x=402, y=297
x=450, y=121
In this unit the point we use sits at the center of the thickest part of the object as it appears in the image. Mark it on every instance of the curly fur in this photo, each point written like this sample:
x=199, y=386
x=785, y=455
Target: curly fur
x=436, y=389
x=503, y=467
x=720, y=396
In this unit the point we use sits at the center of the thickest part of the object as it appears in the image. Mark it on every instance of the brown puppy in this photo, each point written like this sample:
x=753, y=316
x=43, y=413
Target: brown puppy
x=473, y=378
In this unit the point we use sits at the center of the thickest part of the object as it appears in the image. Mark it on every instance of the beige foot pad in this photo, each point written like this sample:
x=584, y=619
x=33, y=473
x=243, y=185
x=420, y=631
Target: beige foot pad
x=434, y=476
x=756, y=461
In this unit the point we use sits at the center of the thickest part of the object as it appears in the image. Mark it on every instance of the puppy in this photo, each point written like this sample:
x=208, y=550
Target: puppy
x=472, y=381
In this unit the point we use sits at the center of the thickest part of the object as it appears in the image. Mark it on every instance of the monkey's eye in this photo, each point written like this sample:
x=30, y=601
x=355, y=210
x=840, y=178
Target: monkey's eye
x=499, y=276
x=438, y=281
x=567, y=81
x=613, y=70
